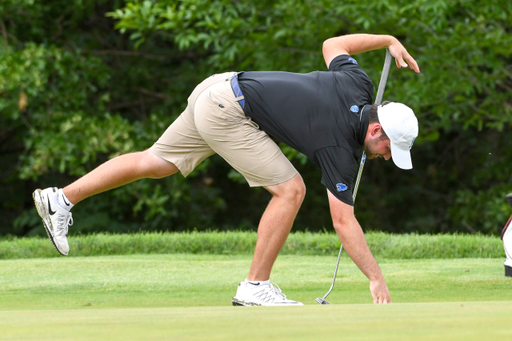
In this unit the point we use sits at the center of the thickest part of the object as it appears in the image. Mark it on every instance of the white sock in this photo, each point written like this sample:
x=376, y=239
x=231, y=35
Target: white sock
x=63, y=200
x=260, y=282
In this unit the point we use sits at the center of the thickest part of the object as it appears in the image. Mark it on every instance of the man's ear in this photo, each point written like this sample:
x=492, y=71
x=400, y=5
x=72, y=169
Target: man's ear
x=375, y=130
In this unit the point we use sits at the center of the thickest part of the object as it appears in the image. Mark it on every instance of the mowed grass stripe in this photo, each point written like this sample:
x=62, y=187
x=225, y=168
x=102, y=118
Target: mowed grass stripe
x=383, y=245
x=419, y=321
x=187, y=297
x=211, y=280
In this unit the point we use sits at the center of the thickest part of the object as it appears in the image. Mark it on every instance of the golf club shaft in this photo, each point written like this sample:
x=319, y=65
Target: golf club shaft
x=383, y=77
x=378, y=100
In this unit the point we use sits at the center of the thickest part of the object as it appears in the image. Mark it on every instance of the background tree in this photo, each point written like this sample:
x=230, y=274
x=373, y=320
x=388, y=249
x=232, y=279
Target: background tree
x=81, y=82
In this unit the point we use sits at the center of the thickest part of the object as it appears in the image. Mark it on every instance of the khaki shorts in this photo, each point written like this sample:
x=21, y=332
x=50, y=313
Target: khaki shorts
x=214, y=122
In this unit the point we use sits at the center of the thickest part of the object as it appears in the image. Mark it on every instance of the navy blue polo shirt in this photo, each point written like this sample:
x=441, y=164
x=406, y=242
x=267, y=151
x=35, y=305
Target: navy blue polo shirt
x=320, y=114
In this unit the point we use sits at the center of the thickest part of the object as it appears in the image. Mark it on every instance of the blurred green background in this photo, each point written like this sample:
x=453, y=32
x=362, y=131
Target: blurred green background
x=82, y=81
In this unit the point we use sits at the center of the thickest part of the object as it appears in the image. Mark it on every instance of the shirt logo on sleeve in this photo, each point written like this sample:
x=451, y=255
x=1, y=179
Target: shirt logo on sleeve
x=352, y=60
x=354, y=109
x=341, y=187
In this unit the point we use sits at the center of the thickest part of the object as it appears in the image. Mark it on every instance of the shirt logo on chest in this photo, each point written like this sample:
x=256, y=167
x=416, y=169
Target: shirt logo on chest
x=354, y=109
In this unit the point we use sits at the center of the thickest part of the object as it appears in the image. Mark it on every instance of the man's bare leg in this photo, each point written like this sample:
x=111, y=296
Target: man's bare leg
x=119, y=171
x=275, y=225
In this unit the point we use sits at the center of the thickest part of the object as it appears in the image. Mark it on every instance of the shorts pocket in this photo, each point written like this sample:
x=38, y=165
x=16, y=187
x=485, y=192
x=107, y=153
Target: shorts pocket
x=215, y=100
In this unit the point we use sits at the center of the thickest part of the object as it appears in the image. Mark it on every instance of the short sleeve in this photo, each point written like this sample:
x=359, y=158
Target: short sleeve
x=339, y=168
x=344, y=62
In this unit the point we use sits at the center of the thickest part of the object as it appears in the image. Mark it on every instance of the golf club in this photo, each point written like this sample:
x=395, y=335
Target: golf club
x=378, y=100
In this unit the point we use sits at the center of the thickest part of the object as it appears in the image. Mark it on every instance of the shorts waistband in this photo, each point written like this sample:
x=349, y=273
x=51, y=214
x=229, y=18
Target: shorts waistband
x=237, y=91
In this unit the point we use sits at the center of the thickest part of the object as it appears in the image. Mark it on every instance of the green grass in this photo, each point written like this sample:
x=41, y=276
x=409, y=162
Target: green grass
x=383, y=245
x=186, y=296
x=211, y=280
x=442, y=321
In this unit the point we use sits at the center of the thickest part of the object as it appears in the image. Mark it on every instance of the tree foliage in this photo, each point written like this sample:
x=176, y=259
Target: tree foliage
x=83, y=81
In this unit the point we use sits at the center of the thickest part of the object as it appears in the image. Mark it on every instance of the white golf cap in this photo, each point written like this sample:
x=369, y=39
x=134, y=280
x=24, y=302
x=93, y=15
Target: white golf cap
x=401, y=126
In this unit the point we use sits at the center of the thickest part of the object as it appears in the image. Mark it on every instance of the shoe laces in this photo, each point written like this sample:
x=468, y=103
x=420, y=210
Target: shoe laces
x=64, y=221
x=270, y=293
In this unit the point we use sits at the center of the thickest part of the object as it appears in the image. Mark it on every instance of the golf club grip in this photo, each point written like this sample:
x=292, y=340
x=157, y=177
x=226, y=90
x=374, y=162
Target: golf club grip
x=383, y=77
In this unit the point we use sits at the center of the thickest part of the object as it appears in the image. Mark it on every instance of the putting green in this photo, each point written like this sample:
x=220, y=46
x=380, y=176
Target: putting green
x=418, y=321
x=161, y=281
x=187, y=297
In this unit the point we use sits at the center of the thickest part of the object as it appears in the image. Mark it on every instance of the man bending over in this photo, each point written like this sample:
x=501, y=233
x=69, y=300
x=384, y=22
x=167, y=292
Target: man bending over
x=326, y=115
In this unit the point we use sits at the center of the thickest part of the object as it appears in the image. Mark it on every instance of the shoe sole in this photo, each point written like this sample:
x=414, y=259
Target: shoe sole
x=41, y=210
x=239, y=303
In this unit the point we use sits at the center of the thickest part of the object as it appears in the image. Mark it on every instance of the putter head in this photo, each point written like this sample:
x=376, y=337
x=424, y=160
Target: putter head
x=321, y=300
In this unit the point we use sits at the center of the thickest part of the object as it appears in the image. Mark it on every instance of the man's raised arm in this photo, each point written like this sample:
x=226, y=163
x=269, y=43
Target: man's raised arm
x=352, y=44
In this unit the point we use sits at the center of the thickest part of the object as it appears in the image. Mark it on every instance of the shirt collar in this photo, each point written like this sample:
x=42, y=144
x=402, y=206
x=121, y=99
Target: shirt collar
x=364, y=122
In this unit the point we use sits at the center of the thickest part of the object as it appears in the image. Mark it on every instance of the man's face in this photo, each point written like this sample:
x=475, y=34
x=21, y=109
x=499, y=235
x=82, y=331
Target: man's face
x=375, y=147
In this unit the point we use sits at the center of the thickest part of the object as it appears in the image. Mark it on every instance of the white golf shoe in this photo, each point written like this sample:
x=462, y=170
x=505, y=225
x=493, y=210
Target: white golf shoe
x=261, y=294
x=56, y=219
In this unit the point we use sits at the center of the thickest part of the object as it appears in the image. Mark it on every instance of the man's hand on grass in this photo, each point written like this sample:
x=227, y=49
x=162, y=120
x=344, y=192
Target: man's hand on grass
x=380, y=292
